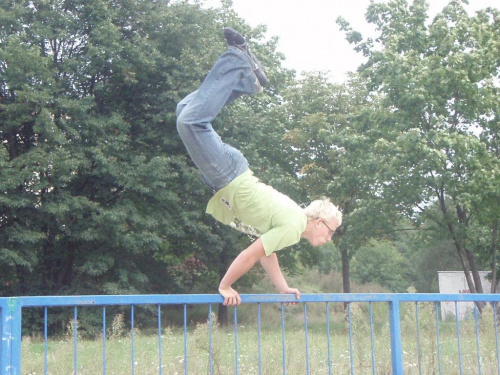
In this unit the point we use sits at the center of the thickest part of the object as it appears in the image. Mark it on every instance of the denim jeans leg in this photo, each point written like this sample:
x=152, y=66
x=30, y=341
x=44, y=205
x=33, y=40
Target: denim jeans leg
x=231, y=77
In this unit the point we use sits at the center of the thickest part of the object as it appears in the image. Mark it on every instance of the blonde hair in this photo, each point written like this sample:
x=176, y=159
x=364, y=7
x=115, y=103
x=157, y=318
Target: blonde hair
x=323, y=209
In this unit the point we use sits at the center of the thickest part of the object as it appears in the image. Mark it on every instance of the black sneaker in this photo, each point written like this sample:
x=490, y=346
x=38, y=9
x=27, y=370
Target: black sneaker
x=235, y=39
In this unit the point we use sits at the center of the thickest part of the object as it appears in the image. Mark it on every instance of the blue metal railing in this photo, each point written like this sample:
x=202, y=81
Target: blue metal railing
x=11, y=318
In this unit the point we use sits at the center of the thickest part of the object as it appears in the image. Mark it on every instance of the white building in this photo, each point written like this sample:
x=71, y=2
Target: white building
x=454, y=282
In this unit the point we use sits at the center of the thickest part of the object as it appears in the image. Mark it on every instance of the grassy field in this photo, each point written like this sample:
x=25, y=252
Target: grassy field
x=146, y=354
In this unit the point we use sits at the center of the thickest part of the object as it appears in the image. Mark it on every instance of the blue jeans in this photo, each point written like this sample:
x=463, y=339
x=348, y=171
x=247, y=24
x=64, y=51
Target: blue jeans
x=231, y=76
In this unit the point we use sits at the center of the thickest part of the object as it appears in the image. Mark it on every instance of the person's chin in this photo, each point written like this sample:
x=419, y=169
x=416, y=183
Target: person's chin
x=315, y=243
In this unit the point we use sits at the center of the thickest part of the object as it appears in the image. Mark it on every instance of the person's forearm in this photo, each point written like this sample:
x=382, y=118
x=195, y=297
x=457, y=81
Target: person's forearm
x=242, y=264
x=272, y=268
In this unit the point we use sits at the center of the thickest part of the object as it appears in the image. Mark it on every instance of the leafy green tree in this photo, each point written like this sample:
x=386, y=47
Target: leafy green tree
x=437, y=81
x=382, y=263
x=98, y=195
x=329, y=146
x=428, y=249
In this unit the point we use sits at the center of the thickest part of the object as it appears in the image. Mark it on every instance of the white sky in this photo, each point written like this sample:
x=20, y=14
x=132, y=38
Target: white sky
x=308, y=33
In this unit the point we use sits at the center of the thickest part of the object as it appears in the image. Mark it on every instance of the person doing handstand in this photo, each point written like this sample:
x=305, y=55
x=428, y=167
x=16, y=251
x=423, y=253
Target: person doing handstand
x=240, y=199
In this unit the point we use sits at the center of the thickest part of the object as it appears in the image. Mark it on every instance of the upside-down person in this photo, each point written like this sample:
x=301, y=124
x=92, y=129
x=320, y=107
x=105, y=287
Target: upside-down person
x=240, y=199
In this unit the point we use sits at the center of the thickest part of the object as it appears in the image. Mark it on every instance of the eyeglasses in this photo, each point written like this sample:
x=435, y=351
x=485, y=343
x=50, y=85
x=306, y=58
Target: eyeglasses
x=330, y=229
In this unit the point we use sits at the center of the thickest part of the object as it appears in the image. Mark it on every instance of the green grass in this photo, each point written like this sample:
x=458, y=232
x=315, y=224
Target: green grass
x=118, y=347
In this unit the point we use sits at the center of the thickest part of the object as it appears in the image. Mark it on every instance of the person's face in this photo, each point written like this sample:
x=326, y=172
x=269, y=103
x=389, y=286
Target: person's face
x=323, y=231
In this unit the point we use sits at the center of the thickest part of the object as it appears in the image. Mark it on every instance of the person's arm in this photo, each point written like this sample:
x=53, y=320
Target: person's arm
x=241, y=265
x=272, y=267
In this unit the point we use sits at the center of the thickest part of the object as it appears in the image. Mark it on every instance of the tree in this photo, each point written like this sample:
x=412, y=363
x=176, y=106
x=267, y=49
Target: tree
x=438, y=83
x=329, y=146
x=98, y=195
x=381, y=262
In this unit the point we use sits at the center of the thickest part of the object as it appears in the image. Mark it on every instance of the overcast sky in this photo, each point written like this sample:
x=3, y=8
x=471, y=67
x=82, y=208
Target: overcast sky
x=307, y=30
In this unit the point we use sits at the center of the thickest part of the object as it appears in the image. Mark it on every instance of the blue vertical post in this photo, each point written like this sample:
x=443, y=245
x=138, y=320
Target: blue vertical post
x=185, y=339
x=104, y=340
x=306, y=338
x=210, y=346
x=351, y=347
x=395, y=329
x=457, y=323
x=328, y=340
x=75, y=340
x=478, y=348
x=372, y=339
x=45, y=342
x=436, y=311
x=160, y=363
x=283, y=345
x=236, y=364
x=132, y=338
x=10, y=340
x=259, y=339
x=495, y=320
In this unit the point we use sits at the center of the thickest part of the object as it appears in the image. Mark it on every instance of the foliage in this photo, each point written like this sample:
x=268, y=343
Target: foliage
x=438, y=83
x=329, y=143
x=98, y=193
x=380, y=262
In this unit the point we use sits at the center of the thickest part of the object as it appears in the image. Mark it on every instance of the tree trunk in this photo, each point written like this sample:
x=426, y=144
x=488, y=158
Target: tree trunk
x=494, y=257
x=475, y=272
x=65, y=273
x=222, y=316
x=346, y=283
x=465, y=267
x=477, y=279
x=458, y=243
x=464, y=259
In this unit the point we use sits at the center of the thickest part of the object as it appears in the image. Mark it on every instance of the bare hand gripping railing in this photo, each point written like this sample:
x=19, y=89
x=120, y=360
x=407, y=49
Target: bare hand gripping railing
x=11, y=316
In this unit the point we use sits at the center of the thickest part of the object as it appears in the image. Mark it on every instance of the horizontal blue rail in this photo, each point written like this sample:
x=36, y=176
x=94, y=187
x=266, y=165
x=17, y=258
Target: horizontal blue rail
x=180, y=299
x=11, y=320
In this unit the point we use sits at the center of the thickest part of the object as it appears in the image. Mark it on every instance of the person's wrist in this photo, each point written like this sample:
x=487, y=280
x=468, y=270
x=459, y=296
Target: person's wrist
x=283, y=289
x=224, y=286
